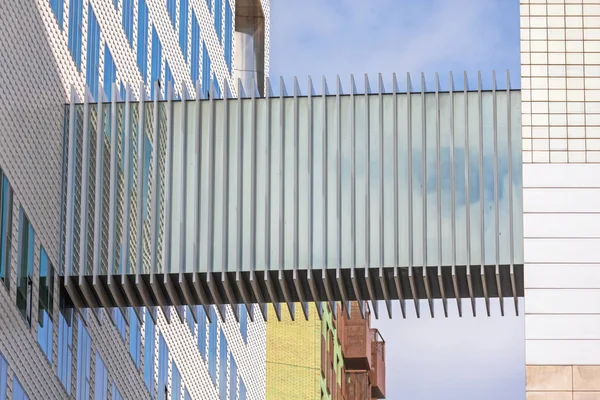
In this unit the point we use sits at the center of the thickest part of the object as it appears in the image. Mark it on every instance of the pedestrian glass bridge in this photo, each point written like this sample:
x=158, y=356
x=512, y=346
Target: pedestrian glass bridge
x=296, y=197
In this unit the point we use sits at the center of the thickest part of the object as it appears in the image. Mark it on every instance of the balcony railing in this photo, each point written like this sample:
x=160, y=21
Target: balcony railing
x=377, y=372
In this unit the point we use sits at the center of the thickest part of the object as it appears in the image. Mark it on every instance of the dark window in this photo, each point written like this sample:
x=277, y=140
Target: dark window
x=25, y=268
x=5, y=228
x=45, y=306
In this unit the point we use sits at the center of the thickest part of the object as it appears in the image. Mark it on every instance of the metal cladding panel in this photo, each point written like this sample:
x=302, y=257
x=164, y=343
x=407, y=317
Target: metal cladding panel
x=421, y=190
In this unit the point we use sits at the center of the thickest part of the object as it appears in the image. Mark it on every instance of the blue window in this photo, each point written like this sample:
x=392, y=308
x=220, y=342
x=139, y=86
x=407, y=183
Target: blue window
x=216, y=88
x=242, y=393
x=228, y=46
x=209, y=4
x=183, y=27
x=110, y=72
x=46, y=287
x=5, y=228
x=149, y=335
x=83, y=362
x=65, y=348
x=163, y=369
x=186, y=395
x=134, y=338
x=202, y=331
x=116, y=395
x=101, y=379
x=3, y=371
x=93, y=54
x=168, y=75
x=196, y=43
x=244, y=324
x=57, y=9
x=175, y=382
x=75, y=34
x=127, y=20
x=223, y=353
x=122, y=95
x=116, y=3
x=189, y=318
x=156, y=61
x=18, y=392
x=212, y=346
x=205, y=70
x=172, y=9
x=142, y=39
x=119, y=322
x=232, y=377
x=219, y=19
x=25, y=268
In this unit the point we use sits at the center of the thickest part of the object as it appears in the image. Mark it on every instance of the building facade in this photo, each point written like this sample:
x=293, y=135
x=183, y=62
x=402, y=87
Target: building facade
x=560, y=80
x=325, y=357
x=58, y=48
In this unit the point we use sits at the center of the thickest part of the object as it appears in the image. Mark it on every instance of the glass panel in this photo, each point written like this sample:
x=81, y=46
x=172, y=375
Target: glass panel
x=223, y=353
x=101, y=379
x=202, y=331
x=232, y=377
x=46, y=298
x=83, y=362
x=5, y=228
x=163, y=369
x=18, y=392
x=149, y=335
x=212, y=345
x=3, y=370
x=25, y=269
x=134, y=338
x=116, y=395
x=65, y=348
x=175, y=382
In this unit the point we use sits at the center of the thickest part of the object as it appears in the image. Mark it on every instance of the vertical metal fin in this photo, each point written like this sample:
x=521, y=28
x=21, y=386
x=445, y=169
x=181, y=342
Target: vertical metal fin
x=468, y=196
x=510, y=195
x=453, y=198
x=129, y=289
x=424, y=193
x=481, y=193
x=496, y=206
x=268, y=195
x=397, y=274
x=439, y=194
x=411, y=277
x=311, y=174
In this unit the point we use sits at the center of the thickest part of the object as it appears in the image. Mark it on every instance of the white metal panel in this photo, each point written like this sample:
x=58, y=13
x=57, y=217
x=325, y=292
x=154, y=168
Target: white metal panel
x=561, y=225
x=562, y=352
x=562, y=301
x=553, y=250
x=575, y=276
x=561, y=200
x=561, y=175
x=567, y=327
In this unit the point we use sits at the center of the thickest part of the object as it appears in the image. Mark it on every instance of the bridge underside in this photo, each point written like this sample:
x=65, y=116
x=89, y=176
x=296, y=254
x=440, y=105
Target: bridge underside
x=287, y=286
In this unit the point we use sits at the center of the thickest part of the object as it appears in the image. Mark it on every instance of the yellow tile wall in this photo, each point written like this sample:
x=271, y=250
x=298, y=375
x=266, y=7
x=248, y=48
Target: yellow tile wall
x=293, y=355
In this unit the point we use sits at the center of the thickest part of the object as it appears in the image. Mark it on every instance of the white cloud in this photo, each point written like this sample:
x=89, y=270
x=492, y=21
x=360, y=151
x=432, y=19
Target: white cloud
x=316, y=37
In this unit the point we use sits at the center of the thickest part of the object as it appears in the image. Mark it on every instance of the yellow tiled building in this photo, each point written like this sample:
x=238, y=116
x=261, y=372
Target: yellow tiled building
x=293, y=349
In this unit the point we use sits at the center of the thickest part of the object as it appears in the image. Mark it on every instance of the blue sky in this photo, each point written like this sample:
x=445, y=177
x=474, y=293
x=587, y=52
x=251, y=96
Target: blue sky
x=427, y=359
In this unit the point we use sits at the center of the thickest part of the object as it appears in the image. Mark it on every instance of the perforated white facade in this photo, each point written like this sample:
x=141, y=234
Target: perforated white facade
x=49, y=47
